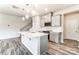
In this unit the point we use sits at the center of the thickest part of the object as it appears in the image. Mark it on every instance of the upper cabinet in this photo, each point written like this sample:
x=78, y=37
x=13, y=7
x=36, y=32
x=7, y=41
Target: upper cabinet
x=50, y=20
x=56, y=20
x=46, y=19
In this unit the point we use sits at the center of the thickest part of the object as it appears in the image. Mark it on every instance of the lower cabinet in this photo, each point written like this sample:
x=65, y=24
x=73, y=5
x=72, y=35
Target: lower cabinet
x=55, y=37
x=36, y=45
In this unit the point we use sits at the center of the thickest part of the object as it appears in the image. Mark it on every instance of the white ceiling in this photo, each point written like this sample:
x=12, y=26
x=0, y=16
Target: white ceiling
x=23, y=9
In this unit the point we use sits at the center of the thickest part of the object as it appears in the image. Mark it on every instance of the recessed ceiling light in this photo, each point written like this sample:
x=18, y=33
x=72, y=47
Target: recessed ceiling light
x=28, y=10
x=45, y=16
x=26, y=16
x=23, y=18
x=33, y=13
x=36, y=5
x=46, y=9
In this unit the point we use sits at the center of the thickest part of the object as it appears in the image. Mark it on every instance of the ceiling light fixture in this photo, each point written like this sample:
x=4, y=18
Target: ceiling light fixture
x=33, y=13
x=28, y=10
x=26, y=16
x=36, y=5
x=23, y=18
x=45, y=16
x=46, y=9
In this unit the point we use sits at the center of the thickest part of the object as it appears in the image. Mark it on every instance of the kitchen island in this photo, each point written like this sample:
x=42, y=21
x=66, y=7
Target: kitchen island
x=36, y=42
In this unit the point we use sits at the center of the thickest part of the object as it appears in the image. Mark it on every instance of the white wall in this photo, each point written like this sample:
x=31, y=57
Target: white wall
x=68, y=10
x=15, y=22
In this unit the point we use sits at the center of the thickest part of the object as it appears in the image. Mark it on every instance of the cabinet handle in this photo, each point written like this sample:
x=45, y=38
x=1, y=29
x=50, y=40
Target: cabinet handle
x=29, y=38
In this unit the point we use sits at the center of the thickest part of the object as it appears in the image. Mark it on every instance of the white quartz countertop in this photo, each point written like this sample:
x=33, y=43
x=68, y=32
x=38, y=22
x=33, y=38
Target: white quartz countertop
x=53, y=29
x=33, y=34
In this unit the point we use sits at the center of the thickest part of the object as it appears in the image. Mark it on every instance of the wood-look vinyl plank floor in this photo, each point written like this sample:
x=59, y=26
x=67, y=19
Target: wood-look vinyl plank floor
x=62, y=49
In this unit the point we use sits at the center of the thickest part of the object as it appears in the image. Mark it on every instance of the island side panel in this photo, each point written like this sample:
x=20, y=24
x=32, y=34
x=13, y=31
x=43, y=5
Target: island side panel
x=43, y=44
x=32, y=44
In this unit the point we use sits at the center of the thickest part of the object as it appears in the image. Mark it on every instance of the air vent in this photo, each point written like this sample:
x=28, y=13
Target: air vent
x=15, y=7
x=27, y=4
x=23, y=9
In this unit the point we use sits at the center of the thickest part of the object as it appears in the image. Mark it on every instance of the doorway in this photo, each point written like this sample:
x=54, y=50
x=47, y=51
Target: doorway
x=71, y=29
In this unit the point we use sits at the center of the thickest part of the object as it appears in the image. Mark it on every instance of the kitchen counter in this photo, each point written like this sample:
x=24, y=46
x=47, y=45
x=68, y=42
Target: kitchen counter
x=33, y=34
x=55, y=33
x=53, y=29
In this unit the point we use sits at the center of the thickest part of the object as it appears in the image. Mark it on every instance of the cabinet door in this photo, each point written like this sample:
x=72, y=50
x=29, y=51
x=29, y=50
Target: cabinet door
x=52, y=37
x=45, y=19
x=56, y=20
x=55, y=37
